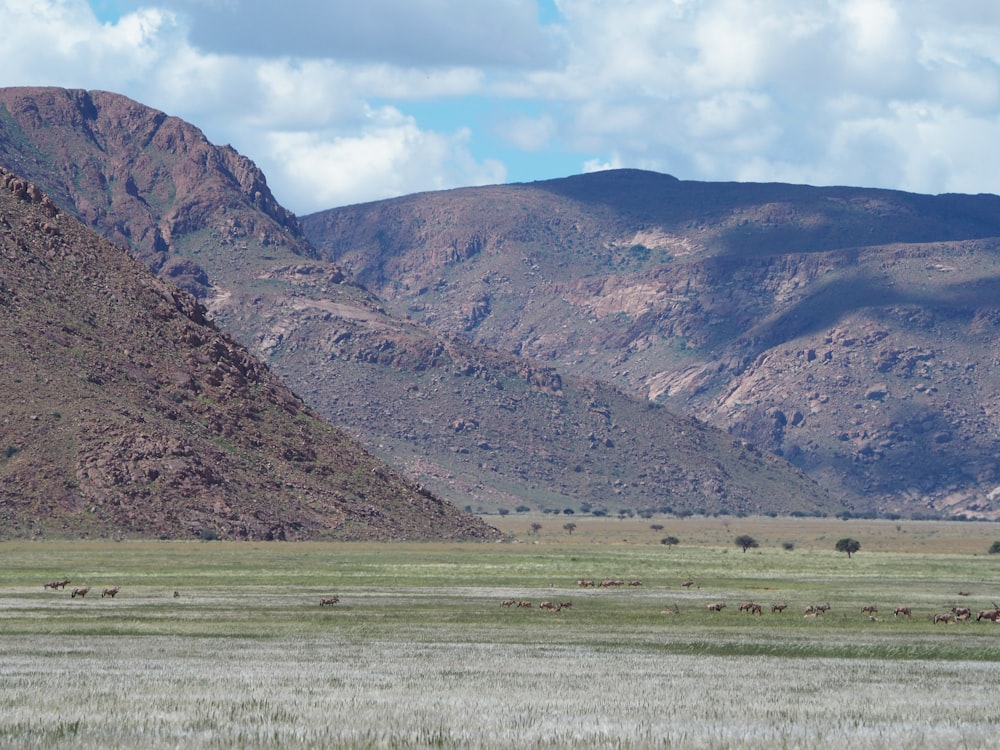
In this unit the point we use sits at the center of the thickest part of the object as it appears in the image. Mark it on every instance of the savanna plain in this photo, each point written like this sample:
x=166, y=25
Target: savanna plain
x=218, y=644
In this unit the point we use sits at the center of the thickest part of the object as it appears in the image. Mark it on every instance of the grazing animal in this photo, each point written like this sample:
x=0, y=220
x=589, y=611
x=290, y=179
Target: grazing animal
x=963, y=593
x=988, y=614
x=822, y=608
x=746, y=606
x=717, y=606
x=810, y=609
x=964, y=612
x=611, y=582
x=508, y=602
x=566, y=605
x=585, y=583
x=756, y=609
x=870, y=609
x=779, y=607
x=812, y=614
x=902, y=611
x=112, y=592
x=687, y=584
x=57, y=584
x=635, y=583
x=177, y=595
x=551, y=606
x=943, y=617
x=329, y=601
x=524, y=604
x=82, y=592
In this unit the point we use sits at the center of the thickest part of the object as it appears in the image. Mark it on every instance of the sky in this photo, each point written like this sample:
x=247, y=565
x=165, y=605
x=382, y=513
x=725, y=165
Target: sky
x=343, y=103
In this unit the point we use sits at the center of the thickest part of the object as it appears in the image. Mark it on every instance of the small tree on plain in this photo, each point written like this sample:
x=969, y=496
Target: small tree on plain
x=536, y=527
x=670, y=541
x=746, y=542
x=995, y=548
x=570, y=528
x=848, y=545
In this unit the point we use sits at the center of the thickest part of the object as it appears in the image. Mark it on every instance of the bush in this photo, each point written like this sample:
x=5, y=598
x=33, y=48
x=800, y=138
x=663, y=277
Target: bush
x=995, y=548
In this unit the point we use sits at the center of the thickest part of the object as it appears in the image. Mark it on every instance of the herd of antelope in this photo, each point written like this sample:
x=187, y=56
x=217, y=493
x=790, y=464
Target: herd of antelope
x=81, y=591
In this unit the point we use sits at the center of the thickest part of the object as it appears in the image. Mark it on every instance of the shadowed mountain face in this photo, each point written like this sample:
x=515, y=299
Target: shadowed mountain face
x=127, y=413
x=852, y=331
x=482, y=428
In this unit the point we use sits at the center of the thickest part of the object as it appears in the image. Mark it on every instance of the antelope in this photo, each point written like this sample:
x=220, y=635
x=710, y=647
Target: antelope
x=687, y=584
x=779, y=607
x=551, y=606
x=80, y=592
x=524, y=604
x=717, y=606
x=610, y=582
x=988, y=614
x=566, y=605
x=57, y=584
x=821, y=608
x=585, y=583
x=943, y=617
x=508, y=602
x=902, y=611
x=756, y=609
x=635, y=583
x=961, y=612
x=329, y=601
x=112, y=592
x=869, y=609
x=746, y=606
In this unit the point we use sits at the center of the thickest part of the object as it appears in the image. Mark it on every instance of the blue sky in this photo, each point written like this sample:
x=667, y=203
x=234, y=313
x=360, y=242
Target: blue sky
x=347, y=102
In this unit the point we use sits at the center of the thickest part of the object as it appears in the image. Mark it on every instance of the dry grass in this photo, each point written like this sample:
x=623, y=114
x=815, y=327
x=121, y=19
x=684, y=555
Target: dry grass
x=931, y=537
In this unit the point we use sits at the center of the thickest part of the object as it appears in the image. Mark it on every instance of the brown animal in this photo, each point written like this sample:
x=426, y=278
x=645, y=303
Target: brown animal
x=585, y=583
x=524, y=604
x=943, y=617
x=746, y=606
x=756, y=609
x=779, y=607
x=551, y=606
x=717, y=606
x=611, y=582
x=57, y=584
x=902, y=611
x=869, y=609
x=329, y=601
x=112, y=592
x=508, y=602
x=988, y=614
x=961, y=612
x=566, y=605
x=82, y=592
x=822, y=608
x=687, y=584
x=635, y=583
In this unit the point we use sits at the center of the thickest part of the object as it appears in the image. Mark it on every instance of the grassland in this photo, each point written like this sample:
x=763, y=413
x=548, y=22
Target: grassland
x=419, y=651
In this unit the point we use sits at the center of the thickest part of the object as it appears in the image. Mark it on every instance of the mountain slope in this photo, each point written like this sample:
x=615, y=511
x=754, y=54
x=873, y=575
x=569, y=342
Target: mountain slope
x=852, y=331
x=127, y=413
x=485, y=430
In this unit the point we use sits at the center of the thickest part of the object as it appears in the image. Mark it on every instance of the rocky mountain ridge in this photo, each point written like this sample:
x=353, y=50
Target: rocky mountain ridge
x=483, y=429
x=851, y=331
x=128, y=414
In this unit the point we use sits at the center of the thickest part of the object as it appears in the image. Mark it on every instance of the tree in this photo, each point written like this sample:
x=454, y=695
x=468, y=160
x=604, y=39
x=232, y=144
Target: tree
x=670, y=541
x=570, y=528
x=656, y=526
x=848, y=545
x=536, y=527
x=746, y=542
x=995, y=548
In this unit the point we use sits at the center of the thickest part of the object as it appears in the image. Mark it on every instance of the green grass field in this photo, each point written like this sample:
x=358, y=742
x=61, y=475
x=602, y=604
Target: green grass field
x=419, y=652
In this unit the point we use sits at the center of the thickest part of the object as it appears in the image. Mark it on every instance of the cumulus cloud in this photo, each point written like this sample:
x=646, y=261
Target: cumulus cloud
x=338, y=105
x=390, y=156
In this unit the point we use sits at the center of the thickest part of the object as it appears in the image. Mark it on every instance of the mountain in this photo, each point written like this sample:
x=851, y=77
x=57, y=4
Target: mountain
x=484, y=429
x=852, y=331
x=127, y=413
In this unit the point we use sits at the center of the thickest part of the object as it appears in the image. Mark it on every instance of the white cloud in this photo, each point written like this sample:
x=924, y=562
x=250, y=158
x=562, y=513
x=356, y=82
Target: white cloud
x=391, y=156
x=893, y=93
